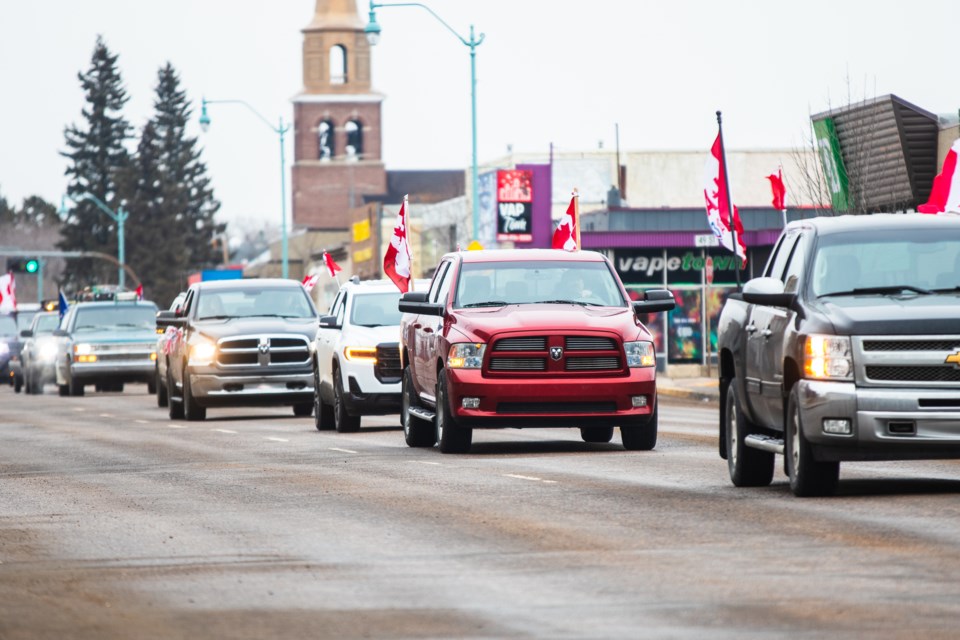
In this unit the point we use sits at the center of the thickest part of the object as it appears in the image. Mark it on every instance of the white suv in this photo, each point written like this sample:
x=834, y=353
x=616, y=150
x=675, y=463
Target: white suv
x=356, y=365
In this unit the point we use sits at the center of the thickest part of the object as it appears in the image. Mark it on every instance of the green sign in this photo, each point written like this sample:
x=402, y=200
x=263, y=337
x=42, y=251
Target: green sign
x=828, y=147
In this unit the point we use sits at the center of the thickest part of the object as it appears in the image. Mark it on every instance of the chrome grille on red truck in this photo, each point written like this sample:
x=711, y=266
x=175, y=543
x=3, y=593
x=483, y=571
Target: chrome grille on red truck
x=555, y=354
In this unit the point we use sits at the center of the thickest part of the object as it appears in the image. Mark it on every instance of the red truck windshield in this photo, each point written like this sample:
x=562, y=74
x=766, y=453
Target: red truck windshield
x=523, y=282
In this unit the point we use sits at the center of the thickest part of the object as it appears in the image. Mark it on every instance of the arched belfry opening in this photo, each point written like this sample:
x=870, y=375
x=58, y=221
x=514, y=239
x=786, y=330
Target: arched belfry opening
x=338, y=64
x=353, y=131
x=326, y=141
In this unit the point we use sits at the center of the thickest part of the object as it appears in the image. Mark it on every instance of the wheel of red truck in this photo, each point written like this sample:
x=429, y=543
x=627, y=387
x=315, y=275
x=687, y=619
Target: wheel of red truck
x=748, y=467
x=175, y=408
x=452, y=438
x=191, y=410
x=417, y=432
x=322, y=412
x=808, y=477
x=641, y=437
x=345, y=422
x=596, y=434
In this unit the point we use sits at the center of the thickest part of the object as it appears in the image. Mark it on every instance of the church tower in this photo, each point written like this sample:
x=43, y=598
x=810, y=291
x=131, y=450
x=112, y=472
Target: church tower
x=337, y=137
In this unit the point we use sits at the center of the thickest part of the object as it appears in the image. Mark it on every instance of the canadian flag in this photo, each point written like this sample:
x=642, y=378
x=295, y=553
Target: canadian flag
x=139, y=292
x=8, y=293
x=332, y=267
x=396, y=263
x=565, y=236
x=779, y=191
x=309, y=282
x=945, y=194
x=718, y=210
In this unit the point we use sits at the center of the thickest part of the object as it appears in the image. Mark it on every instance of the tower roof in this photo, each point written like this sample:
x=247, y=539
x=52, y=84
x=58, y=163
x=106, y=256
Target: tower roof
x=336, y=15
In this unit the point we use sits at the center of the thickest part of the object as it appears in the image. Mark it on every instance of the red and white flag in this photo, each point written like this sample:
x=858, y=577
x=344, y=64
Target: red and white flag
x=8, y=293
x=309, y=282
x=332, y=267
x=139, y=292
x=779, y=191
x=566, y=235
x=722, y=223
x=945, y=195
x=397, y=261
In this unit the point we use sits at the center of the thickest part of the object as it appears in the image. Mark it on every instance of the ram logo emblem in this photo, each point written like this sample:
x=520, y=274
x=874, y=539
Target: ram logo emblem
x=556, y=352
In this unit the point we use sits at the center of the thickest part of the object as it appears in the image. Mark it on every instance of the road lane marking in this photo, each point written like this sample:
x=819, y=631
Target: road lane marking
x=224, y=430
x=519, y=477
x=277, y=439
x=106, y=415
x=177, y=426
x=79, y=409
x=341, y=450
x=142, y=421
x=435, y=464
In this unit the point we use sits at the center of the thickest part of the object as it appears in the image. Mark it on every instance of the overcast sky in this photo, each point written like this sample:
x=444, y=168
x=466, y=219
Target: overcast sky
x=549, y=71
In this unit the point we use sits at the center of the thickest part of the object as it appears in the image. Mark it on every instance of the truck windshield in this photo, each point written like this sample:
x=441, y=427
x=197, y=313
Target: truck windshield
x=119, y=317
x=916, y=260
x=551, y=282
x=375, y=309
x=285, y=302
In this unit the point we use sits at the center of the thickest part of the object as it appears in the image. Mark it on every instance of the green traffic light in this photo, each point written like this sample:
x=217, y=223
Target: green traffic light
x=31, y=266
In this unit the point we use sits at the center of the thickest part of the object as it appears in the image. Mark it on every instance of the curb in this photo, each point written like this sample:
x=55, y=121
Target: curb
x=678, y=392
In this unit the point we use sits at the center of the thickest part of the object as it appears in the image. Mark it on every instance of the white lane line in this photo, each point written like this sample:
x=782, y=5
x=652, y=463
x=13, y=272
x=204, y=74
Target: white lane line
x=519, y=477
x=142, y=421
x=341, y=450
x=79, y=409
x=106, y=415
x=435, y=464
x=177, y=426
x=224, y=430
x=277, y=439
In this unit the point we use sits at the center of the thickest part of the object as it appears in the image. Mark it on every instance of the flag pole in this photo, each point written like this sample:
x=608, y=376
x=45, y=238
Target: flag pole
x=784, y=210
x=726, y=185
x=406, y=222
x=576, y=214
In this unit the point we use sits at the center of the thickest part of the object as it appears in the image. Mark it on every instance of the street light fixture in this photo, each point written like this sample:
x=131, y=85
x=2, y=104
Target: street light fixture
x=281, y=130
x=372, y=31
x=119, y=216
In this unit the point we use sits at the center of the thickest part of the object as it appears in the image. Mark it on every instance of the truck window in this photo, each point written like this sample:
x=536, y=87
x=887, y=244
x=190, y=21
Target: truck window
x=791, y=277
x=438, y=282
x=778, y=260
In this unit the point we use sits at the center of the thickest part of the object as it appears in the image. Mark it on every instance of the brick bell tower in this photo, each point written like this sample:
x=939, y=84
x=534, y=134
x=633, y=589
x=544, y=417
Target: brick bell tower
x=336, y=121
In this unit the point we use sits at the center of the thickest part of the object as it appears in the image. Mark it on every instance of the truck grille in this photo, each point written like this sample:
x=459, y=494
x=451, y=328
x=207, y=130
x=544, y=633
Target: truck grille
x=914, y=374
x=911, y=345
x=891, y=361
x=387, y=369
x=263, y=351
x=555, y=355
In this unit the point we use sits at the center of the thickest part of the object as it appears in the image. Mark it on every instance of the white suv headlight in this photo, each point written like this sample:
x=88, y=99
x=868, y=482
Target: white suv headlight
x=466, y=355
x=640, y=354
x=202, y=353
x=828, y=358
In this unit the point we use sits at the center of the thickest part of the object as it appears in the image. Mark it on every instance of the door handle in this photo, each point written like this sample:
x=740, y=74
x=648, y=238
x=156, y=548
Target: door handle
x=417, y=326
x=428, y=330
x=751, y=328
x=766, y=333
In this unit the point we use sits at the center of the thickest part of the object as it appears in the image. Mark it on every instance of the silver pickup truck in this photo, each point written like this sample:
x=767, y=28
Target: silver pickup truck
x=848, y=348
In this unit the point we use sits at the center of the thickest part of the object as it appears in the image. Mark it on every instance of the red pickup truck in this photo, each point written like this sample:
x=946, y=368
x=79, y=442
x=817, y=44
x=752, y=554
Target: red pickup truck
x=527, y=338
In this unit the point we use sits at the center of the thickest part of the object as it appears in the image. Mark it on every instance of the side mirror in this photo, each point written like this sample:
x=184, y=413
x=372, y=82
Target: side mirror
x=61, y=333
x=328, y=322
x=416, y=302
x=26, y=333
x=768, y=292
x=169, y=319
x=655, y=300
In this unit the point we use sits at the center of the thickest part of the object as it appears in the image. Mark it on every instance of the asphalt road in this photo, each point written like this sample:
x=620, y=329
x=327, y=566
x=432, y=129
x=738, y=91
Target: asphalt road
x=117, y=523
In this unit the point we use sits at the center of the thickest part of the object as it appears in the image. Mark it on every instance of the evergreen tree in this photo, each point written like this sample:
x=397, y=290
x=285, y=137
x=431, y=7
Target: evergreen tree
x=97, y=155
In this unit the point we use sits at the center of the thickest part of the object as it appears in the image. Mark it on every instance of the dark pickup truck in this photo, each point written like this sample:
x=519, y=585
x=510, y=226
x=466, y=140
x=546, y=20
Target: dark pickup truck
x=848, y=348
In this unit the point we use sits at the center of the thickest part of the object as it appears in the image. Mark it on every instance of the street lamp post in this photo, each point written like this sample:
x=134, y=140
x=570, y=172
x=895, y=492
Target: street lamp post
x=281, y=130
x=372, y=30
x=119, y=216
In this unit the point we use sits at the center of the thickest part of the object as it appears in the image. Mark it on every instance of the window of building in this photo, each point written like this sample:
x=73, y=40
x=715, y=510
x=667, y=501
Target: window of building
x=354, y=131
x=325, y=140
x=338, y=64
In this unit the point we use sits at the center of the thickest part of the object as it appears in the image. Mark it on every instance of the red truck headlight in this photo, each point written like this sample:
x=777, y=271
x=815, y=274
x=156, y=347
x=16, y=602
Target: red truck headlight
x=640, y=354
x=828, y=358
x=466, y=355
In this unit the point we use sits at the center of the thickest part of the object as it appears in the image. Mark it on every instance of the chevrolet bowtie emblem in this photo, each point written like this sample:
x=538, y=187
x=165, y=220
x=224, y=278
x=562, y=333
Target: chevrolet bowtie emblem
x=954, y=359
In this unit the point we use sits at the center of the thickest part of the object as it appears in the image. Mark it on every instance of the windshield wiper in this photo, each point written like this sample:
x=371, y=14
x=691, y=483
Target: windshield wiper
x=947, y=290
x=900, y=288
x=369, y=325
x=271, y=315
x=487, y=303
x=220, y=317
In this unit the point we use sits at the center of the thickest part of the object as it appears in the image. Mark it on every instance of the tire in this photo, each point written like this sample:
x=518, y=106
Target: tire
x=76, y=389
x=63, y=390
x=17, y=384
x=303, y=409
x=161, y=390
x=175, y=404
x=345, y=423
x=808, y=477
x=748, y=467
x=417, y=432
x=191, y=410
x=322, y=412
x=152, y=386
x=452, y=438
x=642, y=437
x=27, y=382
x=596, y=434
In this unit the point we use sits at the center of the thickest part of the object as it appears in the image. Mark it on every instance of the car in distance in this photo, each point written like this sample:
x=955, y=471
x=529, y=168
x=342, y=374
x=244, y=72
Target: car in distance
x=166, y=335
x=527, y=338
x=9, y=350
x=39, y=354
x=357, y=355
x=106, y=344
x=847, y=348
x=241, y=343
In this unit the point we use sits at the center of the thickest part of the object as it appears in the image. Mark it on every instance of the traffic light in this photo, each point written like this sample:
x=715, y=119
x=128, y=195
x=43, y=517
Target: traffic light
x=23, y=265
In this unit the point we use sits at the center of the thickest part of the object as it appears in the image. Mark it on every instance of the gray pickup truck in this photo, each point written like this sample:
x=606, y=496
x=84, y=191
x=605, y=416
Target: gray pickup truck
x=848, y=348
